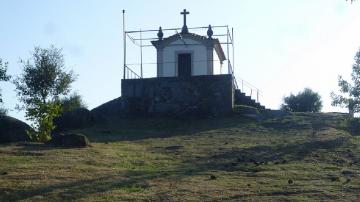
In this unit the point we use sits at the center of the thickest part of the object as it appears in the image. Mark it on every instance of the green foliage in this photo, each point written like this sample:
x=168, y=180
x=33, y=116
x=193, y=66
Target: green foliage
x=43, y=116
x=74, y=101
x=350, y=93
x=352, y=125
x=305, y=101
x=3, y=75
x=39, y=88
x=3, y=111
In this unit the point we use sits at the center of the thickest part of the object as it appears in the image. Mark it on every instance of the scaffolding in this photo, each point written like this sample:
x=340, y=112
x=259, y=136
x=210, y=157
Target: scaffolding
x=141, y=39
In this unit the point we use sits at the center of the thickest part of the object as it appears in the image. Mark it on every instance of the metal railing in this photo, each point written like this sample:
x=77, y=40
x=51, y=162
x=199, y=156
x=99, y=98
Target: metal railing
x=130, y=74
x=246, y=86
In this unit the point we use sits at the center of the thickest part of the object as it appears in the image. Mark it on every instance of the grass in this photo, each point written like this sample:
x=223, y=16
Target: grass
x=300, y=157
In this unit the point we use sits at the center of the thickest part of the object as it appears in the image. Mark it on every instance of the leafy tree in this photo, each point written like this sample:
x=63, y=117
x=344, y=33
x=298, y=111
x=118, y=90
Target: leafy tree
x=3, y=77
x=72, y=102
x=305, y=101
x=350, y=93
x=40, y=88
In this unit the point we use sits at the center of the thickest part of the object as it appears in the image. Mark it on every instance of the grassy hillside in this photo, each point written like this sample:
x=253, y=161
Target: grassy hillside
x=302, y=157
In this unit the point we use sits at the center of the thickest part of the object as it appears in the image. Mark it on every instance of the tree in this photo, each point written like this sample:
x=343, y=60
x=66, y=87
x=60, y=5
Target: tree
x=350, y=93
x=40, y=88
x=74, y=101
x=305, y=101
x=3, y=77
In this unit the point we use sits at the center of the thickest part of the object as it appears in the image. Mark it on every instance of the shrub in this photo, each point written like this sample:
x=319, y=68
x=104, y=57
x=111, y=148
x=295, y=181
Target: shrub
x=353, y=126
x=74, y=101
x=305, y=101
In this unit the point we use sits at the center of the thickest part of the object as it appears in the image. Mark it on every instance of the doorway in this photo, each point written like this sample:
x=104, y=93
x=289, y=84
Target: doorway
x=184, y=65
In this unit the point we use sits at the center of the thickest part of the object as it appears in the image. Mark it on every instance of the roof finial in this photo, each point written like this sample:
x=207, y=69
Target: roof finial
x=184, y=28
x=160, y=34
x=210, y=32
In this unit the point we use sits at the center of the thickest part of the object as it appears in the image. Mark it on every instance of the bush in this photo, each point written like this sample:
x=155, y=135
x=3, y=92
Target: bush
x=3, y=111
x=76, y=119
x=74, y=101
x=353, y=126
x=305, y=101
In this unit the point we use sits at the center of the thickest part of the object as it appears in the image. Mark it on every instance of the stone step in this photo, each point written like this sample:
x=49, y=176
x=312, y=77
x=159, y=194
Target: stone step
x=242, y=99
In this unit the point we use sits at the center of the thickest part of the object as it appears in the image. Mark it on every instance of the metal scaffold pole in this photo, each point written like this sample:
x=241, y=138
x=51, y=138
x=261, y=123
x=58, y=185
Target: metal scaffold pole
x=141, y=55
x=233, y=50
x=124, y=41
x=227, y=48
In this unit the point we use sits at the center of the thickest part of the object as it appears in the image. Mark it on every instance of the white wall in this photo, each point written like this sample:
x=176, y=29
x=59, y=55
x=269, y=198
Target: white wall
x=217, y=64
x=199, y=57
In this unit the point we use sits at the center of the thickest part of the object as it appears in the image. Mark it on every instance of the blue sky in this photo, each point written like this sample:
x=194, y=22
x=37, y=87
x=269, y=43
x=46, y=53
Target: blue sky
x=281, y=46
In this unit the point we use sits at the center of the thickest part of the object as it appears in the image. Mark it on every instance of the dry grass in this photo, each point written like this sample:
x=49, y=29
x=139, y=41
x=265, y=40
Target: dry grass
x=305, y=157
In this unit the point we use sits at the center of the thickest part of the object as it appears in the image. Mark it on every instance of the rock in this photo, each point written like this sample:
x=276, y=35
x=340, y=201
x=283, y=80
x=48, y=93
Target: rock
x=108, y=110
x=334, y=178
x=70, y=140
x=347, y=181
x=290, y=181
x=76, y=119
x=212, y=177
x=175, y=147
x=13, y=130
x=348, y=172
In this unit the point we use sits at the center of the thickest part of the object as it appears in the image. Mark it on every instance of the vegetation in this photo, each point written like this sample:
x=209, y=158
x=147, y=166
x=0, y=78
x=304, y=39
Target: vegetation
x=299, y=157
x=39, y=88
x=72, y=102
x=3, y=77
x=305, y=101
x=350, y=93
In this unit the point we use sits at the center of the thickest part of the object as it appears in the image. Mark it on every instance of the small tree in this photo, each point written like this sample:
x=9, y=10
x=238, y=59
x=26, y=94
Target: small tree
x=39, y=88
x=305, y=101
x=350, y=93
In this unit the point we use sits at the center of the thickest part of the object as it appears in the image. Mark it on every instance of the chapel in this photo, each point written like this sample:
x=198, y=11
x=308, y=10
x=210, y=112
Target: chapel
x=187, y=54
x=190, y=75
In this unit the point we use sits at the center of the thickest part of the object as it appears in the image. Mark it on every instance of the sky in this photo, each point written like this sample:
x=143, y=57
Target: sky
x=281, y=46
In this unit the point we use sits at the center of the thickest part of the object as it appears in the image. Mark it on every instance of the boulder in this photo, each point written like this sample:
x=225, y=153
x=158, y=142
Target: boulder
x=12, y=130
x=76, y=119
x=110, y=109
x=73, y=140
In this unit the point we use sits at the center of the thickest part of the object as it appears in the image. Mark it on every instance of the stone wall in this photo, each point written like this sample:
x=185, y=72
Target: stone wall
x=197, y=94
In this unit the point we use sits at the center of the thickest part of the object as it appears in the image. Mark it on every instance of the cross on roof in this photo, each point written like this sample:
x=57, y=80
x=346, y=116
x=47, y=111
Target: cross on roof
x=184, y=28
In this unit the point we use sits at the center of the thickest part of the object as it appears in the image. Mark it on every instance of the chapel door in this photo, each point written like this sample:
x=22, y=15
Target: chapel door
x=184, y=65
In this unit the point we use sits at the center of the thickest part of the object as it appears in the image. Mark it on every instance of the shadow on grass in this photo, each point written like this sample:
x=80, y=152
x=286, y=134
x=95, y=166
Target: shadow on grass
x=75, y=190
x=301, y=121
x=258, y=155
x=145, y=128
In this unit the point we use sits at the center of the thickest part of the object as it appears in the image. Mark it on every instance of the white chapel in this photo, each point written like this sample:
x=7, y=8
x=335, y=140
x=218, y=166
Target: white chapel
x=187, y=54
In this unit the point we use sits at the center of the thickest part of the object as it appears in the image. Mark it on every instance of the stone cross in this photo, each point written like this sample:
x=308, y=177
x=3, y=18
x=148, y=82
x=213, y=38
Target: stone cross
x=184, y=28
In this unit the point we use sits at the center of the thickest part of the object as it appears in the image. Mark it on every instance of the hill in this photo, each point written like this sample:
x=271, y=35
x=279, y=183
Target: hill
x=300, y=157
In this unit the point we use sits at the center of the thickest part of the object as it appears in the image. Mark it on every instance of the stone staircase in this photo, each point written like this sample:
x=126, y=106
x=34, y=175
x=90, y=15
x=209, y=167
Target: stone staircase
x=243, y=99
